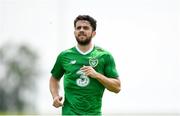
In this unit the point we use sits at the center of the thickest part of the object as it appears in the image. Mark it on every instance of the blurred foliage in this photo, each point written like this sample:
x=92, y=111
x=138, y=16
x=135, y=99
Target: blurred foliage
x=18, y=67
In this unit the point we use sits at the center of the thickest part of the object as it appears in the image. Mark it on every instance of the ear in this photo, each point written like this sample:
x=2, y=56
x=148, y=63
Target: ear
x=93, y=33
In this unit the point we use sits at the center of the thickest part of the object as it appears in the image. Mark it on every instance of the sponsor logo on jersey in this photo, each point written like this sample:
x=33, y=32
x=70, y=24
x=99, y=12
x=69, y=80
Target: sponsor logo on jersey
x=93, y=62
x=83, y=80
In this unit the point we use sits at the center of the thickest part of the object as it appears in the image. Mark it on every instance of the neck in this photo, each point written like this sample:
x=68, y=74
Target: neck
x=85, y=48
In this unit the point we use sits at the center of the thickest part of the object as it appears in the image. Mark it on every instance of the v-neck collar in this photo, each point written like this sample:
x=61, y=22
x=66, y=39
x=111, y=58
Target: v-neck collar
x=85, y=53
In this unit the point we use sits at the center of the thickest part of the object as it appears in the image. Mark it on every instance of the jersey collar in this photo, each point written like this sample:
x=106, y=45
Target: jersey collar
x=84, y=53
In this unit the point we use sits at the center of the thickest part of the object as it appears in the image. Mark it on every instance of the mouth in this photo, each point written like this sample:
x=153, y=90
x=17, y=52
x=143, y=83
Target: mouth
x=81, y=35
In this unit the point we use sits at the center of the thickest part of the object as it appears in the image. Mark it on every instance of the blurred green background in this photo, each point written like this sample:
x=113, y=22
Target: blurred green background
x=19, y=72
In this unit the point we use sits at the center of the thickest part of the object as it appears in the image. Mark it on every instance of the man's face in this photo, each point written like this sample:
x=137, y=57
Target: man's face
x=83, y=32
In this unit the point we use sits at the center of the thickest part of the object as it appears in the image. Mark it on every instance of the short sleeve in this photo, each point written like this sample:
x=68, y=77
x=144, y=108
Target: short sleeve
x=110, y=67
x=58, y=71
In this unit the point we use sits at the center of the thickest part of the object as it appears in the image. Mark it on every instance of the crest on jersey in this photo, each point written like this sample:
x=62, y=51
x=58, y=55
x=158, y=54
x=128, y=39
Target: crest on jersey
x=93, y=62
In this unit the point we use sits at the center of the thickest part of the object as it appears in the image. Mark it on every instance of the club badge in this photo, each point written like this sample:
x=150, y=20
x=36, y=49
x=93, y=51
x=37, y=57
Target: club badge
x=93, y=62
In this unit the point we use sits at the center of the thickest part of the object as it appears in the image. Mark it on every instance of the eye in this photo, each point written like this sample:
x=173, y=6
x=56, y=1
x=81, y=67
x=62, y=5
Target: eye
x=78, y=28
x=85, y=27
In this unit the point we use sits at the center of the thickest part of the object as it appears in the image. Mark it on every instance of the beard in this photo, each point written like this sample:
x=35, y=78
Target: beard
x=84, y=41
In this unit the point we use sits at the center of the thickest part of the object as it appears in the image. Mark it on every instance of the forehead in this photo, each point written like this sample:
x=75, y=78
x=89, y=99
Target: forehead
x=82, y=23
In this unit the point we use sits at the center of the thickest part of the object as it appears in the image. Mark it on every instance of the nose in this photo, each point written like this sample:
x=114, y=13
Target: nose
x=82, y=29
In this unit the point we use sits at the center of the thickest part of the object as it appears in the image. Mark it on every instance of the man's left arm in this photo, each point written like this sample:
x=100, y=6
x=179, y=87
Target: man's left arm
x=112, y=84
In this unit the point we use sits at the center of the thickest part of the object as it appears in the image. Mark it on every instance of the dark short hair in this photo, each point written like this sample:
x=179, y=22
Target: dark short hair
x=88, y=18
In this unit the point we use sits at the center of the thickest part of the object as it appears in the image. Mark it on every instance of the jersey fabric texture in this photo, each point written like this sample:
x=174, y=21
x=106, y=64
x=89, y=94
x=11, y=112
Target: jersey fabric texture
x=83, y=94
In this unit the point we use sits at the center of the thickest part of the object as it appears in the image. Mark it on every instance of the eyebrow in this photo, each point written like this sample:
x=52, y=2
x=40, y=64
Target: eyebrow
x=82, y=27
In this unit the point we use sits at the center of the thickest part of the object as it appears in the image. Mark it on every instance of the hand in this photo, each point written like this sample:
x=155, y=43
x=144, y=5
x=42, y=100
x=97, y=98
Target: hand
x=57, y=101
x=89, y=71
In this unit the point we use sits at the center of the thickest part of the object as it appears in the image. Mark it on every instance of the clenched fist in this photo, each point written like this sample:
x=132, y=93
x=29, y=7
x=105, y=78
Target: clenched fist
x=57, y=101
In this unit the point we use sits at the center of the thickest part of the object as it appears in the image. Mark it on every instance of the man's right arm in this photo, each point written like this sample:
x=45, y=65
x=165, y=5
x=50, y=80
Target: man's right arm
x=54, y=88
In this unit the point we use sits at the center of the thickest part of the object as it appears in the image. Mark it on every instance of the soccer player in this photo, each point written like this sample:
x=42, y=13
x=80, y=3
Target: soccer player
x=87, y=71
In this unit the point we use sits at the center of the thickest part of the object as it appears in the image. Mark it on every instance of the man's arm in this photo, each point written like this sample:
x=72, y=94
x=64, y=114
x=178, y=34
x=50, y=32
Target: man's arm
x=111, y=84
x=54, y=88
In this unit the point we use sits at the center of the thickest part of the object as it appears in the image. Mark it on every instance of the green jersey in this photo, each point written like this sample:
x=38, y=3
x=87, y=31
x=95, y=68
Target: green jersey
x=83, y=94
